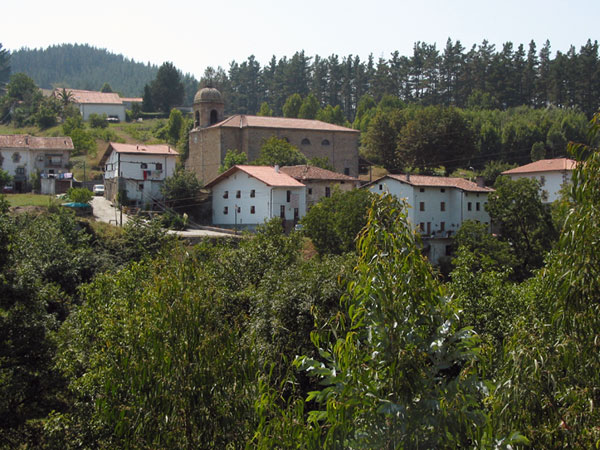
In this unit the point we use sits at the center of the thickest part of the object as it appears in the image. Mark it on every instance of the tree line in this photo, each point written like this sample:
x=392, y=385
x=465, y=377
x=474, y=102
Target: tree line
x=480, y=77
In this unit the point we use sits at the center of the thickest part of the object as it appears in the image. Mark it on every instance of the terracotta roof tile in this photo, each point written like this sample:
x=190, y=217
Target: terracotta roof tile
x=81, y=96
x=431, y=181
x=544, y=165
x=266, y=174
x=35, y=142
x=306, y=172
x=161, y=149
x=243, y=121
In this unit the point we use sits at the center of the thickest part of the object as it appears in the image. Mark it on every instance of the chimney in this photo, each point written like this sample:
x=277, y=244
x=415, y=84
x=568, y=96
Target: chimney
x=480, y=181
x=408, y=176
x=277, y=168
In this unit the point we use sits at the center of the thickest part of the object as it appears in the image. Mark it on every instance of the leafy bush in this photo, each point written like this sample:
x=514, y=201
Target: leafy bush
x=97, y=120
x=80, y=195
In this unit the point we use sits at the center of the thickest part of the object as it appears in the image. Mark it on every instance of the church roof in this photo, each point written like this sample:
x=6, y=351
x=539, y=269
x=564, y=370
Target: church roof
x=305, y=172
x=544, y=165
x=208, y=94
x=271, y=176
x=245, y=121
x=442, y=182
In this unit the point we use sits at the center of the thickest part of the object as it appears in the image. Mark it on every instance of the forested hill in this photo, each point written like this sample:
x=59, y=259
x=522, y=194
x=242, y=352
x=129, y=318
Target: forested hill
x=86, y=67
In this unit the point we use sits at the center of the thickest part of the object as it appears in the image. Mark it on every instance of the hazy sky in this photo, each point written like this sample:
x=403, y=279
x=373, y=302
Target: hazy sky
x=197, y=34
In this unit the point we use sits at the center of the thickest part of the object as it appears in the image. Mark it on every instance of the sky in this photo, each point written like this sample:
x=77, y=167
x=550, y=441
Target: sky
x=196, y=34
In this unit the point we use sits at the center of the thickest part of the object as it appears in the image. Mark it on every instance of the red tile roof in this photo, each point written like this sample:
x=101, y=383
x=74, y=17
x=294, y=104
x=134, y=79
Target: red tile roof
x=35, y=142
x=103, y=98
x=132, y=99
x=306, y=172
x=544, y=165
x=161, y=149
x=266, y=174
x=430, y=181
x=243, y=121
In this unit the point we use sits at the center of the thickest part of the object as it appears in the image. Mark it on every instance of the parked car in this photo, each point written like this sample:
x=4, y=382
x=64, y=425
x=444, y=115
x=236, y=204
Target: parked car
x=8, y=189
x=98, y=189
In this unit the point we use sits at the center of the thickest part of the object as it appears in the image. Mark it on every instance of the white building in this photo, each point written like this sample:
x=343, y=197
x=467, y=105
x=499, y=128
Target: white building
x=22, y=155
x=93, y=102
x=438, y=206
x=552, y=174
x=137, y=170
x=247, y=196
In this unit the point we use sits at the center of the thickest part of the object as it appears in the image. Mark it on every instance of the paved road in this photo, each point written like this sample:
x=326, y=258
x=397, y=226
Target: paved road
x=104, y=211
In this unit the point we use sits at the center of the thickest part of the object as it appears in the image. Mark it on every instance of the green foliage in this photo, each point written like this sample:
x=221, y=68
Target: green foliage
x=292, y=106
x=524, y=222
x=80, y=195
x=265, y=110
x=334, y=222
x=323, y=163
x=280, y=152
x=538, y=151
x=394, y=368
x=4, y=67
x=548, y=384
x=181, y=190
x=47, y=113
x=493, y=169
x=21, y=101
x=309, y=108
x=175, y=126
x=233, y=158
x=97, y=120
x=381, y=138
x=5, y=178
x=166, y=89
x=332, y=114
x=106, y=88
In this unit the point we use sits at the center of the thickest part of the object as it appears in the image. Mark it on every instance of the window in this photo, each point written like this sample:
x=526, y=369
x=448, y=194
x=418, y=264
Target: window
x=197, y=119
x=442, y=190
x=542, y=180
x=238, y=194
x=16, y=157
x=309, y=191
x=305, y=141
x=282, y=211
x=158, y=166
x=469, y=206
x=421, y=206
x=214, y=117
x=422, y=226
x=442, y=226
x=252, y=193
x=477, y=206
x=225, y=210
x=252, y=209
x=346, y=170
x=422, y=190
x=144, y=165
x=239, y=209
x=20, y=171
x=288, y=196
x=442, y=206
x=226, y=194
x=324, y=142
x=141, y=187
x=328, y=192
x=381, y=187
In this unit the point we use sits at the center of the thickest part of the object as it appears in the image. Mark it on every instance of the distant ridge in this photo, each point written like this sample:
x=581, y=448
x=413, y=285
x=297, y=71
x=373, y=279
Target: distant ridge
x=81, y=66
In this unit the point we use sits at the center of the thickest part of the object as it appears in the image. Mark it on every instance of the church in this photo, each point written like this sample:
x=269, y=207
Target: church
x=213, y=135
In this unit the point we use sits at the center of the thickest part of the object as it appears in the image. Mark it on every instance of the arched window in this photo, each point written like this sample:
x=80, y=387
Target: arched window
x=305, y=141
x=197, y=119
x=214, y=117
x=324, y=142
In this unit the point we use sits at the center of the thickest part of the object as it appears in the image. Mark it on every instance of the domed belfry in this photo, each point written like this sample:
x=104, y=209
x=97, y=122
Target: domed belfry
x=208, y=107
x=213, y=135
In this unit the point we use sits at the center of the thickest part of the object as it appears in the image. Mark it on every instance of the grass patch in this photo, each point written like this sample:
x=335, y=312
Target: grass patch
x=30, y=199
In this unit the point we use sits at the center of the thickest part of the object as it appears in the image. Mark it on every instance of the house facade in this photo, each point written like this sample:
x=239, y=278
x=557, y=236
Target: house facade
x=552, y=175
x=23, y=156
x=320, y=182
x=247, y=196
x=438, y=206
x=137, y=170
x=93, y=102
x=213, y=135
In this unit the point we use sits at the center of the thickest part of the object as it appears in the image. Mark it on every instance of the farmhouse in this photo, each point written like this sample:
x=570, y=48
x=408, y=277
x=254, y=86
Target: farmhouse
x=22, y=156
x=137, y=171
x=438, y=206
x=93, y=102
x=213, y=135
x=247, y=196
x=552, y=174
